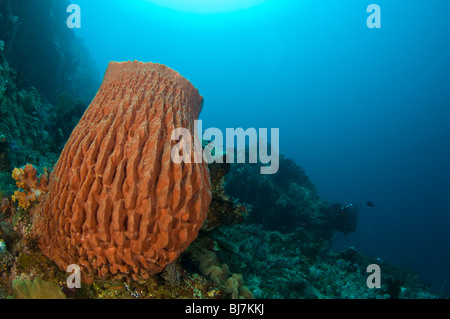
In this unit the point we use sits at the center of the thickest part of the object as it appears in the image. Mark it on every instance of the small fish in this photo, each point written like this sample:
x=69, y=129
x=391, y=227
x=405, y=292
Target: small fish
x=370, y=204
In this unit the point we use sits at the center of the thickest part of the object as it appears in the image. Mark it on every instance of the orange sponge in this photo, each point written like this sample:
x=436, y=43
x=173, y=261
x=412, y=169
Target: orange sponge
x=117, y=204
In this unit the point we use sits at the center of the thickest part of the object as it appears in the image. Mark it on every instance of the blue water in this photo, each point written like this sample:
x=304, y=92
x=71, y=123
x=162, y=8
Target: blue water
x=366, y=112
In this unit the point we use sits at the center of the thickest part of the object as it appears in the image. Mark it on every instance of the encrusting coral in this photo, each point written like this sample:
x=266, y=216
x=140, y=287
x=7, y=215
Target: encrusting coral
x=36, y=289
x=233, y=285
x=117, y=205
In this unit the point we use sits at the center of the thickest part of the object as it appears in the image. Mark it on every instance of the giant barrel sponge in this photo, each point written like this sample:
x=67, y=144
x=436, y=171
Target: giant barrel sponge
x=117, y=204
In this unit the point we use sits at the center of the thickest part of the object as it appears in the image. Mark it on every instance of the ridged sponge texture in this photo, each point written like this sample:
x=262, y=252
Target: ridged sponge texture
x=117, y=204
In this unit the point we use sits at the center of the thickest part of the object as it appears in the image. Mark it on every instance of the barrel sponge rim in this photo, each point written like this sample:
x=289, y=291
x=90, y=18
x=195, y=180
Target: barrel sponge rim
x=115, y=69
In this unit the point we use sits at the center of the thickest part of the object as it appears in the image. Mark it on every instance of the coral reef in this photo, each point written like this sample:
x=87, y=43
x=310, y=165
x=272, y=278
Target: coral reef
x=264, y=236
x=62, y=118
x=191, y=286
x=288, y=200
x=284, y=266
x=22, y=134
x=117, y=204
x=230, y=285
x=296, y=264
x=22, y=262
x=223, y=210
x=47, y=79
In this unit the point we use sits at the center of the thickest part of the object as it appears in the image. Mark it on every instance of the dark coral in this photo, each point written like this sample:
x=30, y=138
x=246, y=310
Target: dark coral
x=287, y=200
x=45, y=52
x=5, y=161
x=47, y=79
x=223, y=210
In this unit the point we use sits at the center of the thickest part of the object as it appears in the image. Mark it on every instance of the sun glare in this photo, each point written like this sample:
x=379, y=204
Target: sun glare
x=207, y=6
